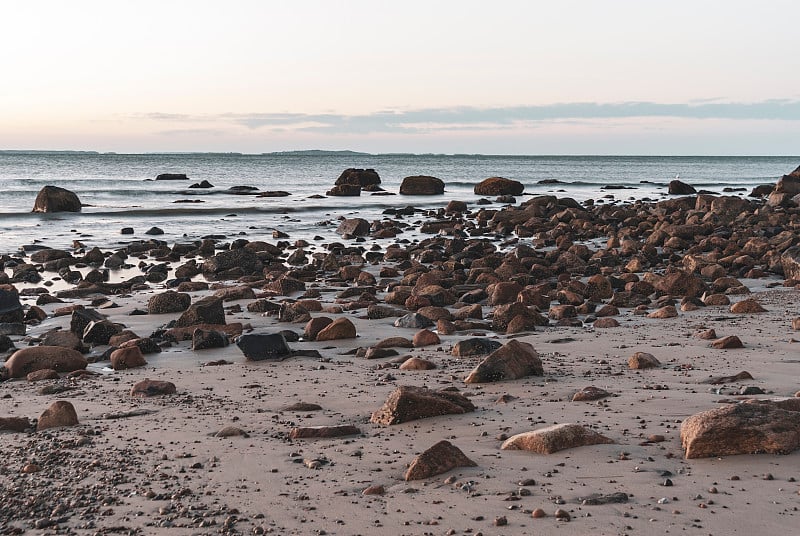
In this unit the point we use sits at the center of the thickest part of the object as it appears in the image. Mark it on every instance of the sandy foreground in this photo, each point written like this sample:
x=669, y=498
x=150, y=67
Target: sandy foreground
x=158, y=467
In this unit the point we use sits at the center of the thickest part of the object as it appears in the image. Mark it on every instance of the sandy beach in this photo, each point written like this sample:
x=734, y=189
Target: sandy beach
x=216, y=457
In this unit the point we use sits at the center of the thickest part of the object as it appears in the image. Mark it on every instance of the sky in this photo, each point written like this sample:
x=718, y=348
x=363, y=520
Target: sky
x=501, y=77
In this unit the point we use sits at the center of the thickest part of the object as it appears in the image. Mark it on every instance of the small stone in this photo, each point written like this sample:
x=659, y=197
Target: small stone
x=538, y=513
x=562, y=515
x=643, y=360
x=727, y=343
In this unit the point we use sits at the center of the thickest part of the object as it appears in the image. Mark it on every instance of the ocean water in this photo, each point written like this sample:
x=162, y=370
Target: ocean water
x=118, y=190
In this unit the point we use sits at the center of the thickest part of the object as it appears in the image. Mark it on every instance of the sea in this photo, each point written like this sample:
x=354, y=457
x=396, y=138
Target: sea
x=119, y=190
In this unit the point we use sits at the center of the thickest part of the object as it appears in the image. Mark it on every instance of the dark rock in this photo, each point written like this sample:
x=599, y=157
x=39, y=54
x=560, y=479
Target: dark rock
x=10, y=308
x=353, y=227
x=168, y=302
x=99, y=332
x=148, y=387
x=499, y=186
x=323, y=432
x=360, y=177
x=718, y=380
x=344, y=190
x=243, y=258
x=512, y=361
x=421, y=185
x=205, y=339
x=407, y=403
x=262, y=346
x=55, y=199
x=202, y=184
x=413, y=321
x=677, y=187
x=475, y=346
x=14, y=424
x=205, y=311
x=22, y=362
x=172, y=177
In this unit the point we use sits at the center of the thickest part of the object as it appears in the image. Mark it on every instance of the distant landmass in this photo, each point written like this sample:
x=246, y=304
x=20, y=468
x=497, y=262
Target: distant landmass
x=317, y=152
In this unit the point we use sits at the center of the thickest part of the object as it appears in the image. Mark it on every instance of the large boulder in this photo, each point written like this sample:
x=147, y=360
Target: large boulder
x=55, y=199
x=242, y=258
x=263, y=346
x=344, y=190
x=790, y=262
x=751, y=427
x=205, y=311
x=169, y=302
x=438, y=459
x=421, y=185
x=60, y=413
x=499, y=186
x=554, y=438
x=677, y=187
x=127, y=358
x=681, y=283
x=407, y=403
x=514, y=360
x=341, y=328
x=475, y=346
x=359, y=177
x=353, y=227
x=10, y=307
x=22, y=362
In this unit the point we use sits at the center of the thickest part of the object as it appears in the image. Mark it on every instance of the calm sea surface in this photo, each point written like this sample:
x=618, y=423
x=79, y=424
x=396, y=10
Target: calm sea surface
x=120, y=192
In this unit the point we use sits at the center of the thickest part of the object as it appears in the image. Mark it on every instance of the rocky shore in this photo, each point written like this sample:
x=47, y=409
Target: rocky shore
x=527, y=367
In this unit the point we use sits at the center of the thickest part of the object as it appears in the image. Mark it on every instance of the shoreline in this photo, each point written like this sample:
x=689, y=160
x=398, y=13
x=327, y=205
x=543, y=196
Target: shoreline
x=153, y=465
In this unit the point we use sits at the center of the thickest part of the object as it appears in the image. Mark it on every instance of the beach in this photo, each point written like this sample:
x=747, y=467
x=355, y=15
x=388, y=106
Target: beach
x=297, y=435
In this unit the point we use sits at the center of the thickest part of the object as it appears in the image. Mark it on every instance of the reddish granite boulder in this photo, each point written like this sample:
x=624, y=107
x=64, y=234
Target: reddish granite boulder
x=499, y=186
x=407, y=403
x=22, y=362
x=555, y=438
x=60, y=413
x=440, y=458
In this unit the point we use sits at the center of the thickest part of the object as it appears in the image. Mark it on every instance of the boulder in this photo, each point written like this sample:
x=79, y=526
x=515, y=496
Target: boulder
x=263, y=346
x=590, y=393
x=323, y=432
x=790, y=262
x=475, y=346
x=344, y=190
x=643, y=360
x=605, y=322
x=14, y=424
x=353, y=227
x=81, y=318
x=417, y=363
x=242, y=258
x=512, y=361
x=729, y=342
x=10, y=308
x=413, y=321
x=60, y=413
x=425, y=337
x=677, y=187
x=668, y=311
x=407, y=403
x=63, y=338
x=555, y=438
x=681, y=283
x=172, y=177
x=359, y=177
x=22, y=362
x=203, y=339
x=42, y=374
x=100, y=332
x=55, y=199
x=747, y=306
x=148, y=387
x=341, y=328
x=205, y=311
x=421, y=185
x=314, y=326
x=440, y=458
x=751, y=427
x=127, y=358
x=168, y=302
x=202, y=184
x=499, y=186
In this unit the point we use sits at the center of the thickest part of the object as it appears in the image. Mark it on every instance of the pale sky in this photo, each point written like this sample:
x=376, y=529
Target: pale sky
x=500, y=77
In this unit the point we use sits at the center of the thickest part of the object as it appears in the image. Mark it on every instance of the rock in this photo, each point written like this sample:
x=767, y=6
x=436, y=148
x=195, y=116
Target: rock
x=206, y=339
x=598, y=499
x=168, y=302
x=148, y=387
x=475, y=346
x=681, y=283
x=504, y=314
x=154, y=231
x=262, y=346
x=499, y=186
x=7, y=344
x=202, y=184
x=344, y=190
x=314, y=326
x=81, y=318
x=60, y=413
x=504, y=292
x=729, y=342
x=359, y=177
x=413, y=321
x=47, y=255
x=145, y=344
x=605, y=322
x=677, y=187
x=65, y=339
x=10, y=308
x=302, y=406
x=395, y=342
x=14, y=424
x=706, y=334
x=417, y=363
x=23, y=362
x=643, y=360
x=718, y=380
x=231, y=431
x=421, y=185
x=99, y=332
x=375, y=489
x=747, y=306
x=407, y=403
x=42, y=374
x=712, y=300
x=746, y=428
x=790, y=262
x=12, y=328
x=244, y=259
x=555, y=438
x=341, y=328
x=127, y=358
x=55, y=199
x=425, y=337
x=668, y=311
x=205, y=311
x=172, y=177
x=510, y=362
x=323, y=432
x=587, y=394
x=353, y=227
x=440, y=458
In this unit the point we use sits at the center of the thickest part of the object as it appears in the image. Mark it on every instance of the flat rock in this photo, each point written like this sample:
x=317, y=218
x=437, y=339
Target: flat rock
x=60, y=413
x=512, y=361
x=755, y=426
x=408, y=403
x=14, y=424
x=417, y=363
x=668, y=311
x=24, y=361
x=168, y=302
x=747, y=306
x=590, y=393
x=148, y=387
x=475, y=346
x=555, y=438
x=440, y=458
x=719, y=380
x=323, y=432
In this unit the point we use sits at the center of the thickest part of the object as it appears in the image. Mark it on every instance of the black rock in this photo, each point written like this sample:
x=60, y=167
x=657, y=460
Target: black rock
x=82, y=318
x=154, y=231
x=475, y=346
x=172, y=177
x=126, y=230
x=202, y=184
x=205, y=339
x=262, y=346
x=100, y=332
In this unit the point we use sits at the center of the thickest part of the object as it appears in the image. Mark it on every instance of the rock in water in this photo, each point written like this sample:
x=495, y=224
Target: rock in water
x=514, y=360
x=60, y=413
x=750, y=427
x=205, y=311
x=127, y=358
x=555, y=438
x=353, y=227
x=677, y=187
x=23, y=362
x=407, y=403
x=440, y=458
x=172, y=177
x=55, y=199
x=262, y=346
x=359, y=177
x=499, y=186
x=422, y=185
x=169, y=302
x=10, y=308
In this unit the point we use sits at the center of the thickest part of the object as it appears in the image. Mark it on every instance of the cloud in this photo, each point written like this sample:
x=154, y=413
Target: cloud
x=467, y=118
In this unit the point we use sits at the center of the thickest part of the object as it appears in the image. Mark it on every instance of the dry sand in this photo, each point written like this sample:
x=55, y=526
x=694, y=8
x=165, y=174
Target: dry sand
x=160, y=470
